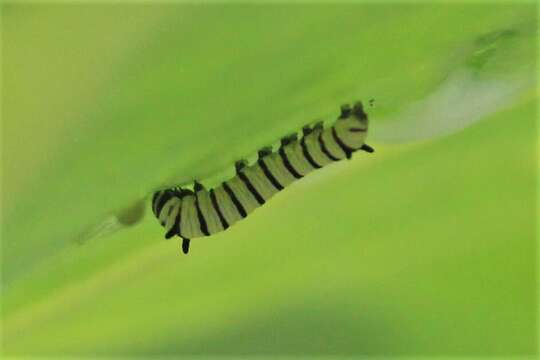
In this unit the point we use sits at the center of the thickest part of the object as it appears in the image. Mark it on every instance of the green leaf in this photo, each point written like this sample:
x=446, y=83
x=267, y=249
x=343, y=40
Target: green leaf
x=385, y=254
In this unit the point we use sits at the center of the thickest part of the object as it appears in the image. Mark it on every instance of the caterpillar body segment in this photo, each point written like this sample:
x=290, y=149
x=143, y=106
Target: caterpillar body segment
x=201, y=212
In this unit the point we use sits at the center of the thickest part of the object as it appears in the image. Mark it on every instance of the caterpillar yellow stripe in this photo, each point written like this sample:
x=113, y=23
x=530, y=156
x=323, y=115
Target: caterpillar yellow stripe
x=200, y=212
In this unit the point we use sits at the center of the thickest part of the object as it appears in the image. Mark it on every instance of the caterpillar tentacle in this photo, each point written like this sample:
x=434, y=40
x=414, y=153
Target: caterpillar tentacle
x=185, y=245
x=192, y=214
x=239, y=165
x=197, y=186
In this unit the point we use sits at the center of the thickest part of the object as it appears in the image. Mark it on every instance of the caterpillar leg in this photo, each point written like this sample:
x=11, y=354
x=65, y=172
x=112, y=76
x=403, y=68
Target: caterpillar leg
x=197, y=186
x=367, y=148
x=239, y=165
x=289, y=139
x=318, y=126
x=345, y=111
x=185, y=245
x=265, y=151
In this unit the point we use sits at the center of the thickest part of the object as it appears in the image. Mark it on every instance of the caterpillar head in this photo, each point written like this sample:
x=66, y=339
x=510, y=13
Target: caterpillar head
x=352, y=125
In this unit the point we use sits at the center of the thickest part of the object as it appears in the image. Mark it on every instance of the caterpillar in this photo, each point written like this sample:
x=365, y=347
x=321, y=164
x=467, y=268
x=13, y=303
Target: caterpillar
x=200, y=212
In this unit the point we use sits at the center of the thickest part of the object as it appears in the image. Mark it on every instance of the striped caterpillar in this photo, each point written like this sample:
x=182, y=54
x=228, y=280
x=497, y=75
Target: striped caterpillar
x=201, y=212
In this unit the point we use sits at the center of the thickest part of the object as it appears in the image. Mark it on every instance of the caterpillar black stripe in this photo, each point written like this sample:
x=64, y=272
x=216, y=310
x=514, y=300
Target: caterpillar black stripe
x=201, y=212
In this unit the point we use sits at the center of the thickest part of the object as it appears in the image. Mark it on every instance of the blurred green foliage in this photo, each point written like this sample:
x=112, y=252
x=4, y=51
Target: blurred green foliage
x=418, y=249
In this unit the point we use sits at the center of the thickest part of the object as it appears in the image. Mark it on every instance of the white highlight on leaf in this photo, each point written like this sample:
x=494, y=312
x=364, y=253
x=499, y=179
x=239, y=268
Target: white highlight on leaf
x=460, y=101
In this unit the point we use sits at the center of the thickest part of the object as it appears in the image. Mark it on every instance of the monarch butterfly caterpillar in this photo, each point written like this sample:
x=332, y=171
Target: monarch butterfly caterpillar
x=201, y=212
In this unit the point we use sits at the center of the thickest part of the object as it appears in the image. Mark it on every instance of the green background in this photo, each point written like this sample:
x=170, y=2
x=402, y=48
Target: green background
x=422, y=248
